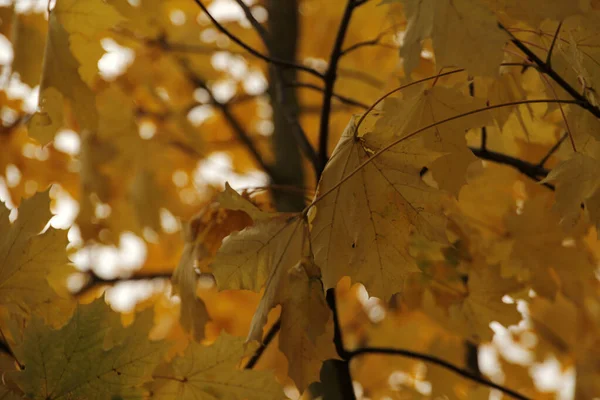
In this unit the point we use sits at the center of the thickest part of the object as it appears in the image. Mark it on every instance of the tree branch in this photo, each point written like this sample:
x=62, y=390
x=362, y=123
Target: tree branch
x=439, y=362
x=534, y=171
x=93, y=280
x=345, y=386
x=233, y=122
x=254, y=52
x=330, y=78
x=553, y=150
x=272, y=332
x=548, y=70
x=290, y=116
x=342, y=99
x=372, y=42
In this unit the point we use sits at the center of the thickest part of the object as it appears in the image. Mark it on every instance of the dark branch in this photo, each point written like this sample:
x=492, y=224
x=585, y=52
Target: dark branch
x=254, y=52
x=342, y=99
x=345, y=380
x=549, y=56
x=263, y=346
x=233, y=122
x=372, y=42
x=262, y=32
x=298, y=132
x=547, y=69
x=93, y=280
x=553, y=150
x=330, y=78
x=439, y=362
x=534, y=171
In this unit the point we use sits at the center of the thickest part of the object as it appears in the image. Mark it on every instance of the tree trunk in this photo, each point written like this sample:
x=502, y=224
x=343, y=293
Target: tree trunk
x=288, y=169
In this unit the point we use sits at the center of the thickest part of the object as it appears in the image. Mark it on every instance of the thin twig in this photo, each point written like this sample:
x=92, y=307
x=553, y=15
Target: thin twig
x=330, y=78
x=547, y=69
x=342, y=99
x=254, y=52
x=439, y=362
x=372, y=42
x=552, y=150
x=263, y=346
x=262, y=32
x=94, y=280
x=233, y=122
x=549, y=56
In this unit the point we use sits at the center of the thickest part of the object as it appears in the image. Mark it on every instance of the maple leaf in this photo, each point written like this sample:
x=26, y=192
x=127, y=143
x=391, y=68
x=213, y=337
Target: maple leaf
x=212, y=372
x=539, y=254
x=483, y=303
x=194, y=314
x=464, y=33
x=73, y=362
x=273, y=253
x=29, y=39
x=79, y=20
x=576, y=183
x=364, y=225
x=426, y=107
x=32, y=260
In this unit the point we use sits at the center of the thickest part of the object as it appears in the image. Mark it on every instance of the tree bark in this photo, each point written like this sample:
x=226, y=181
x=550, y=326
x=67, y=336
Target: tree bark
x=288, y=168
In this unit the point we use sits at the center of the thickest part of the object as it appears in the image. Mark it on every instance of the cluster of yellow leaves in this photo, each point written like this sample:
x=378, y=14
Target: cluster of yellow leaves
x=447, y=243
x=92, y=355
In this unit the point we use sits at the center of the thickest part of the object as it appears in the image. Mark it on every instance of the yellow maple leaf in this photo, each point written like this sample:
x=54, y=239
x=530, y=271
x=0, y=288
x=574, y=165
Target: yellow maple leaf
x=91, y=357
x=29, y=38
x=577, y=182
x=483, y=303
x=274, y=252
x=306, y=326
x=30, y=261
x=212, y=372
x=363, y=227
x=465, y=33
x=425, y=107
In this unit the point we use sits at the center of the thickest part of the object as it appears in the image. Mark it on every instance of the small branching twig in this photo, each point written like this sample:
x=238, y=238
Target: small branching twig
x=271, y=333
x=552, y=150
x=93, y=280
x=549, y=56
x=556, y=77
x=343, y=99
x=373, y=42
x=254, y=52
x=233, y=122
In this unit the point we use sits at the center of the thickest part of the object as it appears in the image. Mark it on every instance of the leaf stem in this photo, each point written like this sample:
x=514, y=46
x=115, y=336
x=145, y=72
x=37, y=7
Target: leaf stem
x=416, y=132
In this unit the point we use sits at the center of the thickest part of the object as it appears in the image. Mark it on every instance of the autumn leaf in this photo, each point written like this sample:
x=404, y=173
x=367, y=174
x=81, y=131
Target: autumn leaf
x=464, y=34
x=365, y=219
x=274, y=252
x=29, y=38
x=73, y=361
x=32, y=261
x=576, y=183
x=424, y=107
x=213, y=371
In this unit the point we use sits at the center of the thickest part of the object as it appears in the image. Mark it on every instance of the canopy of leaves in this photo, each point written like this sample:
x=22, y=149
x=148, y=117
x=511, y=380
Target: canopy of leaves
x=327, y=198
